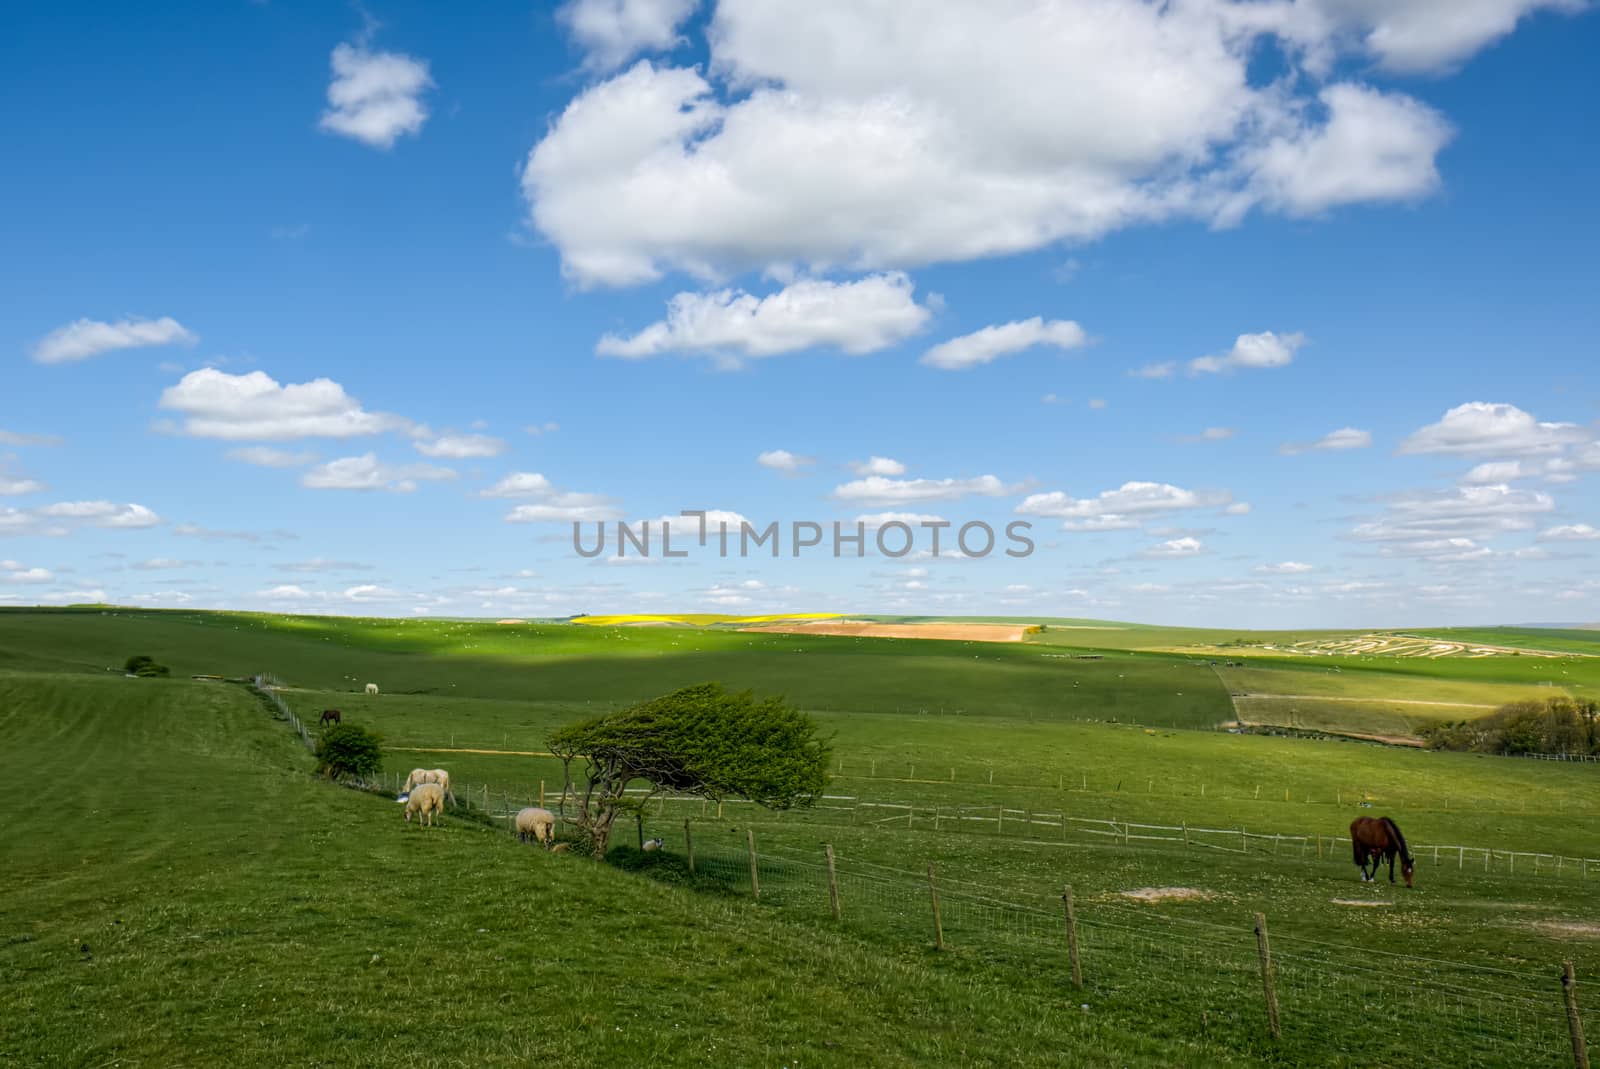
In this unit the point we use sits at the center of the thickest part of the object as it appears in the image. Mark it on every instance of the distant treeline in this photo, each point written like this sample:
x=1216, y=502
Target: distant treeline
x=1554, y=725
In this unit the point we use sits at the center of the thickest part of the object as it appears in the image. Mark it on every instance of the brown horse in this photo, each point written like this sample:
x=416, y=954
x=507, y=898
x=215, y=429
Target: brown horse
x=1376, y=840
x=329, y=716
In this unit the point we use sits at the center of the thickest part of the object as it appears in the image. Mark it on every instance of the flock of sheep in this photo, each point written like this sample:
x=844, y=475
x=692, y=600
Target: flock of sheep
x=425, y=792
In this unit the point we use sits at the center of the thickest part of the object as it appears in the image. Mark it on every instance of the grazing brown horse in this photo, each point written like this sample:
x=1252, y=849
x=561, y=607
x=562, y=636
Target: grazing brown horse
x=1376, y=840
x=329, y=716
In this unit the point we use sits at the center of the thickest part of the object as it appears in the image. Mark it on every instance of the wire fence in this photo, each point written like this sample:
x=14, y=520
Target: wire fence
x=1182, y=980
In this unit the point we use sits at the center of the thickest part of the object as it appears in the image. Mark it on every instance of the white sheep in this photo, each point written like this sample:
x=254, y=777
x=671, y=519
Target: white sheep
x=537, y=824
x=426, y=801
x=652, y=845
x=372, y=688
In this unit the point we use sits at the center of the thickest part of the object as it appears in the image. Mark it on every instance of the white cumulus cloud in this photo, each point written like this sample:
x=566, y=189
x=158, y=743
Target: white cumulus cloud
x=84, y=338
x=1479, y=427
x=878, y=490
x=375, y=97
x=857, y=317
x=1264, y=350
x=612, y=32
x=255, y=406
x=1334, y=441
x=785, y=461
x=367, y=472
x=460, y=446
x=1570, y=532
x=872, y=135
x=989, y=344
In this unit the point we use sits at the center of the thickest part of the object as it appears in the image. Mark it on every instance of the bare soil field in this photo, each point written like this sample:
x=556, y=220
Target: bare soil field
x=868, y=629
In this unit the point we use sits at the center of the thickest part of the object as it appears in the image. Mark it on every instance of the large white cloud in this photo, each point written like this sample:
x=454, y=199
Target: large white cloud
x=254, y=406
x=875, y=133
x=1479, y=427
x=375, y=97
x=83, y=338
x=100, y=514
x=989, y=344
x=612, y=32
x=857, y=317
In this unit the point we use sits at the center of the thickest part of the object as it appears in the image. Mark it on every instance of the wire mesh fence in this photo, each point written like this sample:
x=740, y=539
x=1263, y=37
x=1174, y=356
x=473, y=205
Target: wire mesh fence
x=1188, y=980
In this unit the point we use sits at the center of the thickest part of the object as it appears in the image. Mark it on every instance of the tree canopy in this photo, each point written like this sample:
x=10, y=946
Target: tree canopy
x=1554, y=725
x=348, y=751
x=700, y=741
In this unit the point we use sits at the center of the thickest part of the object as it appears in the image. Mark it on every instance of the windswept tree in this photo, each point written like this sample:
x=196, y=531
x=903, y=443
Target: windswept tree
x=700, y=741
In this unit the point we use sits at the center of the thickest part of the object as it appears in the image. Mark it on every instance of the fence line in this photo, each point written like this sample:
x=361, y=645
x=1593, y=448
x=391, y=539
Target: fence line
x=1187, y=976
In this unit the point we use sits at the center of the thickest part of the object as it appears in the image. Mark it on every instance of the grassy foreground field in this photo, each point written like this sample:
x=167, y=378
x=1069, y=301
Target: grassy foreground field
x=187, y=896
x=180, y=810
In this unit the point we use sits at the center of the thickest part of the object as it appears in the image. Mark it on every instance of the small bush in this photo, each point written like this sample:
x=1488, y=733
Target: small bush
x=347, y=751
x=145, y=667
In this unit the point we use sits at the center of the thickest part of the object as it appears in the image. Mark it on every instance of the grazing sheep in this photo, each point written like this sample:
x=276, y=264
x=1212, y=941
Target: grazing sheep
x=372, y=688
x=426, y=801
x=652, y=845
x=537, y=824
x=430, y=775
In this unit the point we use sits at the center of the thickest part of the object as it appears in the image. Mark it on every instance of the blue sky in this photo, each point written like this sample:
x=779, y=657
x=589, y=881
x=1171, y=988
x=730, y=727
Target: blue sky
x=1266, y=313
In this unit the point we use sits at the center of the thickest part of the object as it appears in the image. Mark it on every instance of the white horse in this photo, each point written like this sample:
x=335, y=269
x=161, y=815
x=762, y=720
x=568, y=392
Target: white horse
x=372, y=688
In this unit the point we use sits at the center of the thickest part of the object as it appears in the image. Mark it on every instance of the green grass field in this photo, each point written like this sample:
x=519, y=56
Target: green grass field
x=235, y=909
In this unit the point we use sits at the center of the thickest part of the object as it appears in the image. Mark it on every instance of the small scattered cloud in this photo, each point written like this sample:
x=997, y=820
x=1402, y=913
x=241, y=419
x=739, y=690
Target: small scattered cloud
x=1175, y=548
x=266, y=457
x=1097, y=403
x=1570, y=532
x=786, y=462
x=375, y=97
x=877, y=466
x=537, y=429
x=878, y=490
x=1162, y=370
x=989, y=344
x=859, y=317
x=366, y=472
x=1334, y=441
x=1288, y=567
x=85, y=338
x=461, y=446
x=1264, y=350
x=1210, y=434
x=1123, y=507
x=18, y=438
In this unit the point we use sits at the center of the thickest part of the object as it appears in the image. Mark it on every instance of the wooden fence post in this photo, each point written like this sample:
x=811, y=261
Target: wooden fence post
x=938, y=923
x=833, y=881
x=541, y=794
x=1244, y=843
x=1569, y=988
x=1072, y=935
x=485, y=797
x=688, y=844
x=638, y=822
x=1264, y=953
x=755, y=882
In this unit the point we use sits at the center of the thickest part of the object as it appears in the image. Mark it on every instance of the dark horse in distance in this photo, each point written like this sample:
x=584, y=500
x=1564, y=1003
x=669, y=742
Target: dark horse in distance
x=1376, y=840
x=329, y=716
